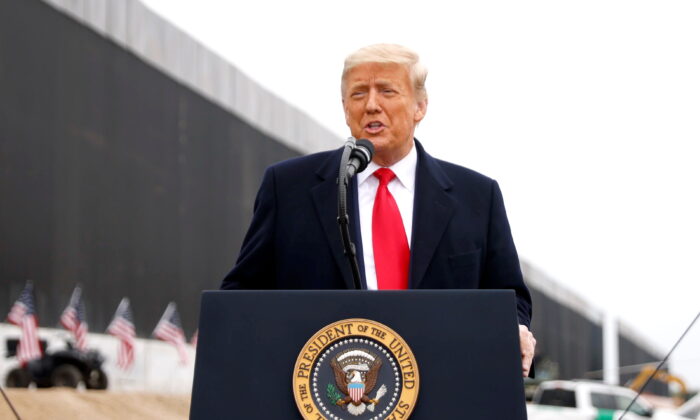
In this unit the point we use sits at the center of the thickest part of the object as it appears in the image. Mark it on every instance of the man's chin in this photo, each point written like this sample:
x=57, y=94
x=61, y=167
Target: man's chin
x=379, y=142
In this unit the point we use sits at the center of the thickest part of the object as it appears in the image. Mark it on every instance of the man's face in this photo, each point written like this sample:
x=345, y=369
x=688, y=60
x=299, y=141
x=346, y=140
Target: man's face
x=380, y=105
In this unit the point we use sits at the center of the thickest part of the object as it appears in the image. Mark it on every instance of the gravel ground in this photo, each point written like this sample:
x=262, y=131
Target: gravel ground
x=60, y=404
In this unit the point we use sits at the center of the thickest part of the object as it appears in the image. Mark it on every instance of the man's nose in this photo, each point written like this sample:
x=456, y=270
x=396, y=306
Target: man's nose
x=372, y=105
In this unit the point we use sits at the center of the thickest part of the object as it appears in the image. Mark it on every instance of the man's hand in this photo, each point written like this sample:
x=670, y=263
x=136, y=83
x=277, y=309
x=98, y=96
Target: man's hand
x=527, y=348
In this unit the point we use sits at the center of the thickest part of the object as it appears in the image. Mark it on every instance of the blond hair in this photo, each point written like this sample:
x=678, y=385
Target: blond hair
x=390, y=53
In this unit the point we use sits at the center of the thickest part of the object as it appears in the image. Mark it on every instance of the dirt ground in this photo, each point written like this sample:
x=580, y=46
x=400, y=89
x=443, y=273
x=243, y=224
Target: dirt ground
x=60, y=404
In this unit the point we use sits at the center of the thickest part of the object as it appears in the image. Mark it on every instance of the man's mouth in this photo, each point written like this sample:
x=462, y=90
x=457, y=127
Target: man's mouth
x=374, y=127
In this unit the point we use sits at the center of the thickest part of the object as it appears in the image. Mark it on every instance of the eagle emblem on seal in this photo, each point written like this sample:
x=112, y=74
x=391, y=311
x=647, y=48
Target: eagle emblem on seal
x=356, y=372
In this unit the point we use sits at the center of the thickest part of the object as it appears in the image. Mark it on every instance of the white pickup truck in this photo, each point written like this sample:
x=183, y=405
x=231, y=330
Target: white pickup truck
x=588, y=400
x=690, y=410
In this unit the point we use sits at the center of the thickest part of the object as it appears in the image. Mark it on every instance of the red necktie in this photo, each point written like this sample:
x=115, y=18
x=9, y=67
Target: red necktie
x=391, y=253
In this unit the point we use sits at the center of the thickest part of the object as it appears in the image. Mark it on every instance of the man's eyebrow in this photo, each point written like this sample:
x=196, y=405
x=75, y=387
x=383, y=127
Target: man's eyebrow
x=357, y=85
x=363, y=84
x=383, y=82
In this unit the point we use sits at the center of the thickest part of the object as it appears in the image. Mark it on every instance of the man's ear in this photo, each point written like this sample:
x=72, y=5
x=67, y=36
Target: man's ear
x=421, y=109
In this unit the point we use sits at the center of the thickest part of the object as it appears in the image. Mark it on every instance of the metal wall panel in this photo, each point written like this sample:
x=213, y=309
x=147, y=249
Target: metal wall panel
x=113, y=175
x=569, y=345
x=631, y=355
x=136, y=28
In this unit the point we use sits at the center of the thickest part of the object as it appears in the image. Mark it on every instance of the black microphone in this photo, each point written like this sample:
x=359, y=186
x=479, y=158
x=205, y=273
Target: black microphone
x=360, y=157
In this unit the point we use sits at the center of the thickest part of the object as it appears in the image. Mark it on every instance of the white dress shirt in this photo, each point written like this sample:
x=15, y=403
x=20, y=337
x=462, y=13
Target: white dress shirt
x=402, y=187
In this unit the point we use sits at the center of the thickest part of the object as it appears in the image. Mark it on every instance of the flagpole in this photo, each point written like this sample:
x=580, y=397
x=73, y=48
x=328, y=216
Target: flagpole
x=147, y=363
x=12, y=407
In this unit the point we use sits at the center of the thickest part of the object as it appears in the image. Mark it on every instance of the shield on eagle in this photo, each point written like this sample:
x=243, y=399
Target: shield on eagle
x=357, y=390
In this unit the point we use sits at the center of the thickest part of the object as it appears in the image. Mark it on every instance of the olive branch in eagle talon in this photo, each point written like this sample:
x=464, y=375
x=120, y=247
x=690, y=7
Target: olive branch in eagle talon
x=355, y=381
x=333, y=395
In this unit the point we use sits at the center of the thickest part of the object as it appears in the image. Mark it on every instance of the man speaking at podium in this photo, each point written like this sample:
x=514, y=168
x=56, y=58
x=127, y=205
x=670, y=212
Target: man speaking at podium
x=419, y=222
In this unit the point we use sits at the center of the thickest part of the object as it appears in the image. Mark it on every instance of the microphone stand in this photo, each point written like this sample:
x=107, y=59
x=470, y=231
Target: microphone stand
x=343, y=218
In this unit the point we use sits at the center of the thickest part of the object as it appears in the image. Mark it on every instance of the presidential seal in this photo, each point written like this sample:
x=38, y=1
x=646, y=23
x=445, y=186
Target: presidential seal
x=355, y=369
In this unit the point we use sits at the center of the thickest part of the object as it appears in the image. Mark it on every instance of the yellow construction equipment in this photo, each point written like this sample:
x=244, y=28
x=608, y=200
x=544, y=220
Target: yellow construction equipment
x=661, y=375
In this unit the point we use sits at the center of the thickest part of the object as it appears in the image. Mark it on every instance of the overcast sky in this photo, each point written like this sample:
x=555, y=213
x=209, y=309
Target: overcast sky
x=587, y=113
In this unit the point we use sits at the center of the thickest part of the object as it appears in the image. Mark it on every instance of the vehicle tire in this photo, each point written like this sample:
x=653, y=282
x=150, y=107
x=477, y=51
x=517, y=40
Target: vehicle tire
x=97, y=380
x=66, y=375
x=43, y=383
x=18, y=378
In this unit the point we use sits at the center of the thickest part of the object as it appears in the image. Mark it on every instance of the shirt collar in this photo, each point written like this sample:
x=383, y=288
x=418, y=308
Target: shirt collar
x=405, y=169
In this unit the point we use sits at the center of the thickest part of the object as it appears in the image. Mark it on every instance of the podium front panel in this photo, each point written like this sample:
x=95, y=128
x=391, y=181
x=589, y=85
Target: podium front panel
x=465, y=343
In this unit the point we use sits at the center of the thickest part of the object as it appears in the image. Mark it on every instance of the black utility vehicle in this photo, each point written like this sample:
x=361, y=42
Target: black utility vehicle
x=67, y=368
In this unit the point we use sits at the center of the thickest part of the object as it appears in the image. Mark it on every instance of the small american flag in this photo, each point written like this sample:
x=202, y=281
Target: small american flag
x=73, y=318
x=122, y=327
x=169, y=329
x=23, y=315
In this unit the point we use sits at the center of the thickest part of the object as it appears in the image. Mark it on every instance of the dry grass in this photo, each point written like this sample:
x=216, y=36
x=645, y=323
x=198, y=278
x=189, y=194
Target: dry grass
x=59, y=404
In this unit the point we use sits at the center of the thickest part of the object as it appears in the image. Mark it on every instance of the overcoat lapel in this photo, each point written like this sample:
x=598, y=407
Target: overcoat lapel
x=432, y=210
x=325, y=198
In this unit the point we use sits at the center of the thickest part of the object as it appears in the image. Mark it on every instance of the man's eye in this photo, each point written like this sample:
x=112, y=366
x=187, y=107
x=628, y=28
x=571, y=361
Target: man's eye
x=388, y=91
